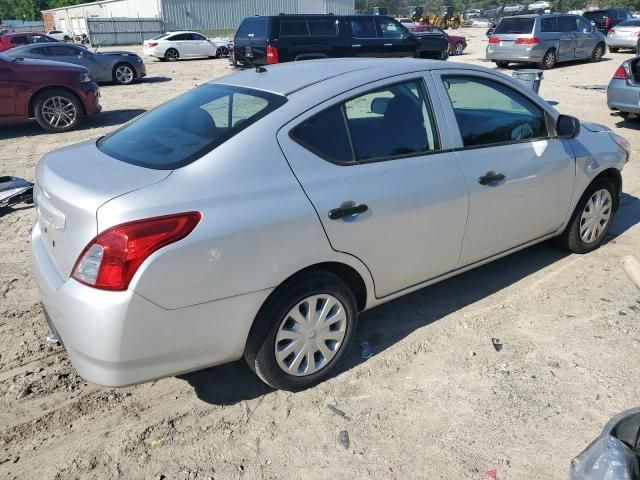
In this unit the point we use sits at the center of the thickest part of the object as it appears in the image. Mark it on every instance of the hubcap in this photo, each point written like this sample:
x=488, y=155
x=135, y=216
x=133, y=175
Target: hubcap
x=310, y=335
x=596, y=216
x=124, y=74
x=172, y=54
x=549, y=60
x=59, y=112
x=458, y=49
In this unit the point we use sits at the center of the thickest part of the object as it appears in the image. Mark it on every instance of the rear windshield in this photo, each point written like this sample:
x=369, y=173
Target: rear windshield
x=630, y=23
x=186, y=128
x=253, y=28
x=515, y=25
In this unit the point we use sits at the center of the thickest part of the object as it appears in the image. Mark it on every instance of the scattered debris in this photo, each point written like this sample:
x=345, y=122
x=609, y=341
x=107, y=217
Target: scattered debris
x=631, y=266
x=154, y=442
x=496, y=344
x=598, y=88
x=344, y=439
x=51, y=339
x=338, y=412
x=25, y=391
x=365, y=350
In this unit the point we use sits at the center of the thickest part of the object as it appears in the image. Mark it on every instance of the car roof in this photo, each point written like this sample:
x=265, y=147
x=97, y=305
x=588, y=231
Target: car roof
x=288, y=78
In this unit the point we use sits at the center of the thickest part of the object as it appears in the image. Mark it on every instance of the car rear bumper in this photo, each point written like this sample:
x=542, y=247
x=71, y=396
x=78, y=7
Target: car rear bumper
x=121, y=338
x=623, y=96
x=630, y=42
x=531, y=54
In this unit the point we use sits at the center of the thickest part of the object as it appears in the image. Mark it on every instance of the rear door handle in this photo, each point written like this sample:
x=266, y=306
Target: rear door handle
x=491, y=177
x=357, y=45
x=350, y=211
x=388, y=44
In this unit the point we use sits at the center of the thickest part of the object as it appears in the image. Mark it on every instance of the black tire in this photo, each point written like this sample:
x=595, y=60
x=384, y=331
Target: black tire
x=570, y=239
x=41, y=116
x=598, y=52
x=222, y=52
x=613, y=49
x=171, y=55
x=260, y=350
x=458, y=48
x=548, y=60
x=502, y=64
x=119, y=78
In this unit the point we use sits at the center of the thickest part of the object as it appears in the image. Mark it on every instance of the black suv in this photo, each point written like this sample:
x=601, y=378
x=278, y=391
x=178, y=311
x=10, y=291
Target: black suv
x=607, y=18
x=285, y=38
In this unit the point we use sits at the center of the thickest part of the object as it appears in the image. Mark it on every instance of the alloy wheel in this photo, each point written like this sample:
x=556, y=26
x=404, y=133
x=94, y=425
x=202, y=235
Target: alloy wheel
x=598, y=53
x=310, y=335
x=596, y=216
x=124, y=74
x=59, y=112
x=172, y=55
x=549, y=60
x=459, y=49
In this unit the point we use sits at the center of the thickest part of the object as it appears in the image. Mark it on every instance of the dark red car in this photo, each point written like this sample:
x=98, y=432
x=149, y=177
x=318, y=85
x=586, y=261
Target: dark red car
x=457, y=43
x=58, y=95
x=12, y=40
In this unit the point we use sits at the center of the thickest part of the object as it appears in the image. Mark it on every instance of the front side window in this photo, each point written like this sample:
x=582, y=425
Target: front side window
x=62, y=51
x=394, y=121
x=390, y=29
x=179, y=38
x=583, y=25
x=363, y=28
x=197, y=36
x=208, y=116
x=567, y=24
x=323, y=27
x=489, y=112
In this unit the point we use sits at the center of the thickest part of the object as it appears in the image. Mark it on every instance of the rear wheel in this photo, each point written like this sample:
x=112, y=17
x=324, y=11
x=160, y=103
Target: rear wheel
x=171, y=55
x=455, y=24
x=123, y=74
x=613, y=49
x=548, y=60
x=222, y=52
x=502, y=64
x=458, y=49
x=591, y=218
x=58, y=111
x=302, y=331
x=597, y=53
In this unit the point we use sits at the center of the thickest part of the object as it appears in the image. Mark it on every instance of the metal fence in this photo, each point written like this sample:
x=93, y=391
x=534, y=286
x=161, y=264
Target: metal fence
x=18, y=28
x=122, y=31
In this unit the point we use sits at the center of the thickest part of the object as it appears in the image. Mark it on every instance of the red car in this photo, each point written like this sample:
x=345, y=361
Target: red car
x=58, y=95
x=12, y=40
x=457, y=43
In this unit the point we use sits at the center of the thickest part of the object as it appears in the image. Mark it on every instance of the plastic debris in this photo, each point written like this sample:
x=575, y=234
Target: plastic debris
x=337, y=411
x=344, y=439
x=496, y=344
x=365, y=350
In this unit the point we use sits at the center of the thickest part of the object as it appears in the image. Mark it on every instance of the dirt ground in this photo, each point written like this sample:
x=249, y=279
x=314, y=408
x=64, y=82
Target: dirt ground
x=436, y=400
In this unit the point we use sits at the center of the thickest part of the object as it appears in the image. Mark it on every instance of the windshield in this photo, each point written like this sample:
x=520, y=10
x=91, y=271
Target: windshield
x=515, y=25
x=188, y=127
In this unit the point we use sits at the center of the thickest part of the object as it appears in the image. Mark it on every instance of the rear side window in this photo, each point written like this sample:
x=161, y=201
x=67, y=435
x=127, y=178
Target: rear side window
x=363, y=28
x=186, y=128
x=293, y=28
x=253, y=28
x=326, y=135
x=630, y=23
x=178, y=38
x=196, y=36
x=549, y=24
x=567, y=24
x=515, y=25
x=323, y=27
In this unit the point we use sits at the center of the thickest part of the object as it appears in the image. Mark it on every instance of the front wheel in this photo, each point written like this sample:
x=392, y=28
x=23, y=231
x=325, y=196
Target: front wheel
x=58, y=111
x=549, y=60
x=303, y=331
x=597, y=53
x=123, y=74
x=591, y=219
x=458, y=49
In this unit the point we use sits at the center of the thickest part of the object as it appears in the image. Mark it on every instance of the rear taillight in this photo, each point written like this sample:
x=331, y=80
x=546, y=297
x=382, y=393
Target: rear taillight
x=111, y=259
x=621, y=73
x=494, y=40
x=152, y=44
x=272, y=55
x=527, y=41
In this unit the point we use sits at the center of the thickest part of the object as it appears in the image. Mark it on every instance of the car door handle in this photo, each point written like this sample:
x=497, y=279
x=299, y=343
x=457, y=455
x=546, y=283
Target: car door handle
x=350, y=211
x=356, y=46
x=491, y=177
x=388, y=44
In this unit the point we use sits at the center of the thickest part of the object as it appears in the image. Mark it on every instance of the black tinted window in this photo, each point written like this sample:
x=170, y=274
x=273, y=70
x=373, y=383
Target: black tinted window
x=363, y=28
x=323, y=27
x=40, y=50
x=293, y=28
x=515, y=25
x=61, y=50
x=253, y=28
x=549, y=24
x=567, y=24
x=489, y=112
x=390, y=28
x=19, y=41
x=178, y=38
x=326, y=135
x=596, y=16
x=196, y=36
x=186, y=128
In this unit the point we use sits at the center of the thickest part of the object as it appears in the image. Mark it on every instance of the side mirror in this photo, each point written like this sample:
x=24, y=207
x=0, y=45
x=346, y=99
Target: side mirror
x=567, y=127
x=379, y=105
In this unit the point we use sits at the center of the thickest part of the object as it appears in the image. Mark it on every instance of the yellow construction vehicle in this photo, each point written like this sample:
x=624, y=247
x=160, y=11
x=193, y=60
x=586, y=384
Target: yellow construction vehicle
x=447, y=18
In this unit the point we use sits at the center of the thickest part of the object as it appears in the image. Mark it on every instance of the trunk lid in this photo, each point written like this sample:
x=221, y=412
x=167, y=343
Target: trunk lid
x=71, y=184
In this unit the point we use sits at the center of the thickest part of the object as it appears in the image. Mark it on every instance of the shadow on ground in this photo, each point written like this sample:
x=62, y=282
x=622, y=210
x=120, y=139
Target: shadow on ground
x=103, y=119
x=386, y=325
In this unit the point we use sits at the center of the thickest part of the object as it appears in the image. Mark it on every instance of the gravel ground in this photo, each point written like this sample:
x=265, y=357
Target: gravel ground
x=436, y=400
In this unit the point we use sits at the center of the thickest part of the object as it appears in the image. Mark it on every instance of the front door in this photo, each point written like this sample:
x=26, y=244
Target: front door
x=364, y=39
x=520, y=177
x=397, y=41
x=387, y=188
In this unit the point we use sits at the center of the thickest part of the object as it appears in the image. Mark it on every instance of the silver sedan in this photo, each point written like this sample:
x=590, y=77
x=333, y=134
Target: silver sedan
x=624, y=35
x=623, y=92
x=113, y=66
x=287, y=200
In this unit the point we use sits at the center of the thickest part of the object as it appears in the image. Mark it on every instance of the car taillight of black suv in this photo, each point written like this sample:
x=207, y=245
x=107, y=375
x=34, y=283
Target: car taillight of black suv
x=266, y=40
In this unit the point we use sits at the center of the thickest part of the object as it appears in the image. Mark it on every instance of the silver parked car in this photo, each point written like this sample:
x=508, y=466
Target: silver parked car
x=623, y=92
x=545, y=40
x=624, y=35
x=287, y=200
x=116, y=66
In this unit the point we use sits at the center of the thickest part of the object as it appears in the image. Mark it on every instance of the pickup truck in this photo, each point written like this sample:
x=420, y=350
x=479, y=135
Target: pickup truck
x=266, y=40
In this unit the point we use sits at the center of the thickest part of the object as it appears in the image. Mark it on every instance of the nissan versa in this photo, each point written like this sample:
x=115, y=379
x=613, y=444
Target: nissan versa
x=289, y=199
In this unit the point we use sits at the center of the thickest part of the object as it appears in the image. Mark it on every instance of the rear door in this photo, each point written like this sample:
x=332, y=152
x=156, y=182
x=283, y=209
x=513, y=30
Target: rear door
x=383, y=179
x=568, y=44
x=520, y=177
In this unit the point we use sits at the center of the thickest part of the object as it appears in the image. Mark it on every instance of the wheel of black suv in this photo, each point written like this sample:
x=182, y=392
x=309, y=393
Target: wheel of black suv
x=592, y=217
x=303, y=331
x=548, y=60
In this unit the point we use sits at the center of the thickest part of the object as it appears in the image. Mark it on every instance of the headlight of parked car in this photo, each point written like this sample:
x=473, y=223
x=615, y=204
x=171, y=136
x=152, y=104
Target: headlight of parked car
x=622, y=142
x=85, y=77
